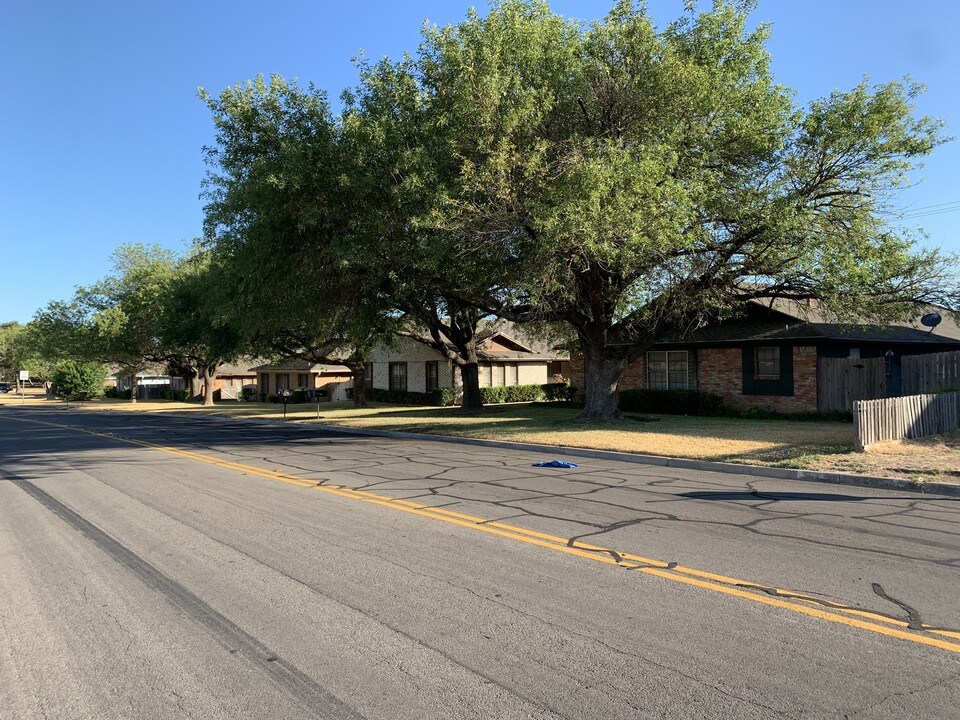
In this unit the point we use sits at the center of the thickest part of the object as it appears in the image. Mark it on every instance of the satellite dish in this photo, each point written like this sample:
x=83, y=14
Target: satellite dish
x=931, y=320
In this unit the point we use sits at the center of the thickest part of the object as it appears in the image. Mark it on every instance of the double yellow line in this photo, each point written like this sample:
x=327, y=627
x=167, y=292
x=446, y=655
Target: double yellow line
x=811, y=606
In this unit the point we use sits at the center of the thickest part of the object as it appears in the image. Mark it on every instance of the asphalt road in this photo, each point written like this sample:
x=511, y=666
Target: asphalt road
x=155, y=567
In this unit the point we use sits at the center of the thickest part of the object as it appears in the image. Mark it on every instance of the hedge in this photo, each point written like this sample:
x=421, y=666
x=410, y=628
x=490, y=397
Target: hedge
x=178, y=395
x=406, y=397
x=512, y=393
x=690, y=402
x=488, y=395
x=672, y=402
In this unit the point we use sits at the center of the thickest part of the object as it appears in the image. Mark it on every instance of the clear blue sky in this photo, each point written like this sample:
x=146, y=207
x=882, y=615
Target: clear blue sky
x=102, y=131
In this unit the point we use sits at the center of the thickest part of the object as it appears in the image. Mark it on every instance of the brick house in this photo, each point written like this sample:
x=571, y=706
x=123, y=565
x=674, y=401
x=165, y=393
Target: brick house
x=321, y=381
x=232, y=379
x=774, y=356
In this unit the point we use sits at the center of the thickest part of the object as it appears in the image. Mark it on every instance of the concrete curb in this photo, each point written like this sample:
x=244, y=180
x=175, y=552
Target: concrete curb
x=924, y=488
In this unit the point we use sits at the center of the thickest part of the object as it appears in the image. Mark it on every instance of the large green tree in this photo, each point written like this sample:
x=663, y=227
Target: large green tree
x=279, y=219
x=319, y=216
x=116, y=320
x=11, y=350
x=20, y=349
x=652, y=179
x=199, y=328
x=435, y=278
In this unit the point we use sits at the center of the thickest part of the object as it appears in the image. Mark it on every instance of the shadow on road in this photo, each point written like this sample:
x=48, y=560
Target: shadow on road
x=778, y=496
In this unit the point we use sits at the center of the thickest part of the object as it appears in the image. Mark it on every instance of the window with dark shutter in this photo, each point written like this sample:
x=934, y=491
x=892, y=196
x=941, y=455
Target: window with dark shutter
x=766, y=363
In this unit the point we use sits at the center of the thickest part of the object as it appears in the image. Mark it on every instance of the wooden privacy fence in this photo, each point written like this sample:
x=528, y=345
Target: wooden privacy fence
x=929, y=373
x=912, y=416
x=843, y=381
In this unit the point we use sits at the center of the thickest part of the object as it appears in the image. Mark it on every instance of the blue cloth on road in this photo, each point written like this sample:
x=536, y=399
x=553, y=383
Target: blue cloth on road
x=555, y=464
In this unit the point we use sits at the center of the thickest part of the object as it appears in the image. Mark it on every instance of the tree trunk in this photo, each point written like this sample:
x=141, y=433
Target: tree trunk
x=133, y=387
x=195, y=385
x=358, y=369
x=601, y=374
x=470, y=376
x=209, y=377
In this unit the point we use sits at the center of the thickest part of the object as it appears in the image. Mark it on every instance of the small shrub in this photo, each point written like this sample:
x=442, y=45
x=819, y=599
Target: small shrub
x=558, y=392
x=79, y=380
x=248, y=394
x=299, y=397
x=110, y=392
x=443, y=396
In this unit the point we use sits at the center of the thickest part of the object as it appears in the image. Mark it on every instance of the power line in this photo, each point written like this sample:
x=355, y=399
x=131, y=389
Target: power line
x=931, y=207
x=929, y=210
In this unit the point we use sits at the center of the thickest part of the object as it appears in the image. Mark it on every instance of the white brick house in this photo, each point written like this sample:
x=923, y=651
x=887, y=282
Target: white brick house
x=410, y=365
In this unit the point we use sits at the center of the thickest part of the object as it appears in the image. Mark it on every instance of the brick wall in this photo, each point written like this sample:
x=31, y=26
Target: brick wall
x=721, y=373
x=634, y=377
x=805, y=378
x=575, y=372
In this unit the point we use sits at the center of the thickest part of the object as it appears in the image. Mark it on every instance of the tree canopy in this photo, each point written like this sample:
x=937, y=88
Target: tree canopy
x=117, y=319
x=651, y=179
x=626, y=181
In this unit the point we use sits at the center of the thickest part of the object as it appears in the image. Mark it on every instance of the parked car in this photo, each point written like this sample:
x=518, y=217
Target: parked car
x=5, y=387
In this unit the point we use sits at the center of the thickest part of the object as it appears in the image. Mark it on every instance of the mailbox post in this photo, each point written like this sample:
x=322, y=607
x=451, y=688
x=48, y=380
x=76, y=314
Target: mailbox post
x=285, y=395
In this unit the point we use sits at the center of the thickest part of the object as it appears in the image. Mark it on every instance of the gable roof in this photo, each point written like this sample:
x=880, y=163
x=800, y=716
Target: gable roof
x=779, y=320
x=298, y=365
x=522, y=344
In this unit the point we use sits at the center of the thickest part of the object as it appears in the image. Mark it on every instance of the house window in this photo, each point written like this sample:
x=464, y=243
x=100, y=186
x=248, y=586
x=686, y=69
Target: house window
x=368, y=375
x=766, y=363
x=283, y=382
x=484, y=374
x=264, y=383
x=303, y=380
x=398, y=376
x=433, y=376
x=668, y=370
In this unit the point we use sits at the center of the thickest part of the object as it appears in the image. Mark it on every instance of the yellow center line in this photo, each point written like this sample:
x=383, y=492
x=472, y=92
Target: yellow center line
x=795, y=602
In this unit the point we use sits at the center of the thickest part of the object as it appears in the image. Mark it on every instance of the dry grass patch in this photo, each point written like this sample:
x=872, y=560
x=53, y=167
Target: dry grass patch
x=927, y=459
x=764, y=442
x=753, y=441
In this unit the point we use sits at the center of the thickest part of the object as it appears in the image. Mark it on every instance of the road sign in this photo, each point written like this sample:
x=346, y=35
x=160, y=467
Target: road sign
x=24, y=375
